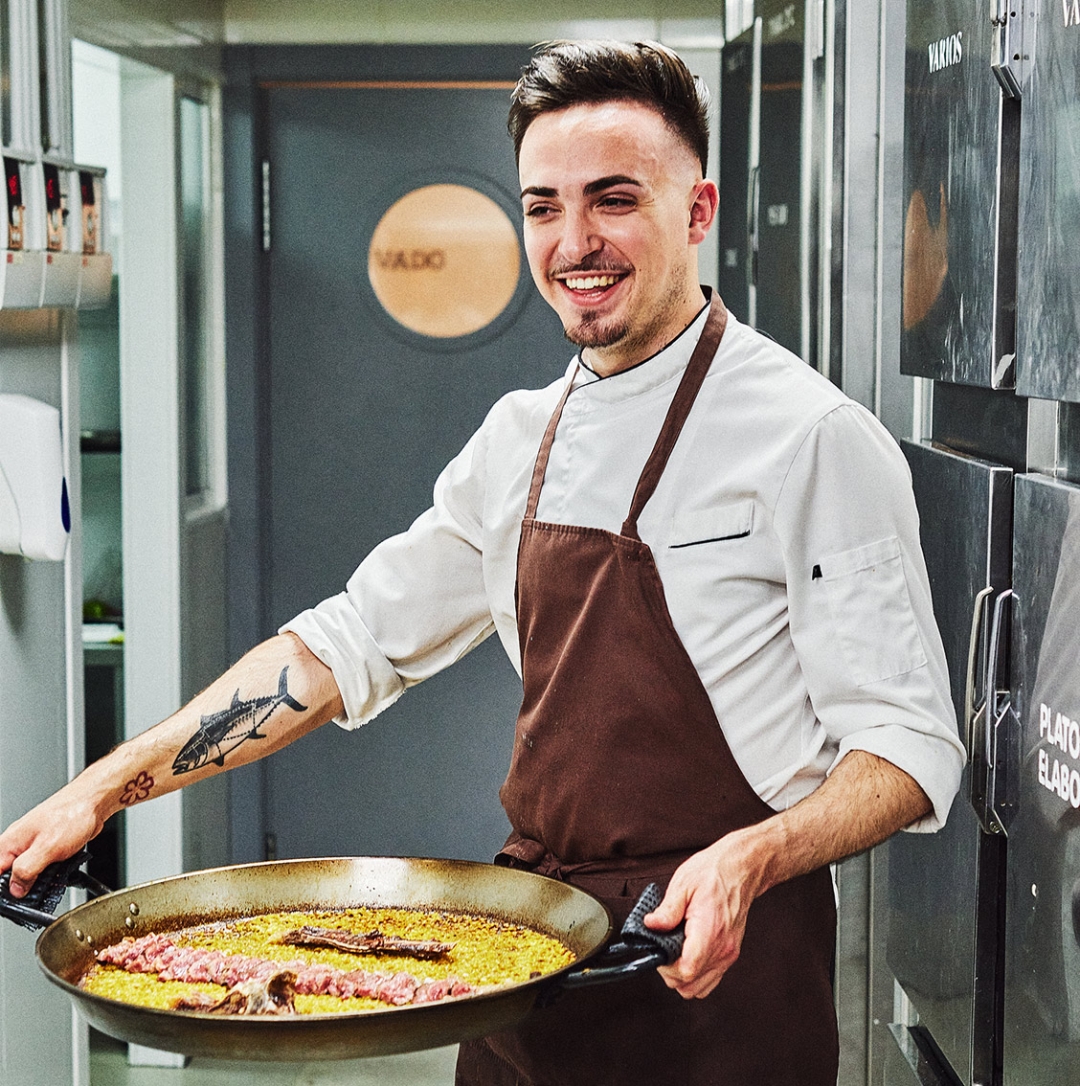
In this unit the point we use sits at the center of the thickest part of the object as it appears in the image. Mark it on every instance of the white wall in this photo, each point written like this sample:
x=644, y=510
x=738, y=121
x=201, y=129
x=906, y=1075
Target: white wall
x=40, y=703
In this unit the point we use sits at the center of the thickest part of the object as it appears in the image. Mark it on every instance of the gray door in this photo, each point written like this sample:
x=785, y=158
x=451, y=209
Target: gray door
x=364, y=411
x=946, y=889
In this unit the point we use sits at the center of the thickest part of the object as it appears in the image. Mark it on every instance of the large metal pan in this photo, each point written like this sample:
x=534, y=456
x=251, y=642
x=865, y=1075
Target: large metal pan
x=65, y=951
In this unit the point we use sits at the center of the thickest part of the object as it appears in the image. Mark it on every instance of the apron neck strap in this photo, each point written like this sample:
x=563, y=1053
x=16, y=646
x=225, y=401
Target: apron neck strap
x=685, y=395
x=540, y=467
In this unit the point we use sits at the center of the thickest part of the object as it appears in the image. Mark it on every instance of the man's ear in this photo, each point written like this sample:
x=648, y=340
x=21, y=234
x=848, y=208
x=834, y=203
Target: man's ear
x=703, y=208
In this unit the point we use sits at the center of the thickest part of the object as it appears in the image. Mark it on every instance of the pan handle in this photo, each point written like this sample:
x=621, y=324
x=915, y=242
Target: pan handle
x=598, y=971
x=36, y=909
x=639, y=949
x=24, y=915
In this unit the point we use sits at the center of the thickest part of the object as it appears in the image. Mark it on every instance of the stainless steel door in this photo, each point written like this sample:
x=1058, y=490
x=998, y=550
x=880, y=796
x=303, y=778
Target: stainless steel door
x=945, y=889
x=960, y=148
x=1042, y=995
x=1048, y=303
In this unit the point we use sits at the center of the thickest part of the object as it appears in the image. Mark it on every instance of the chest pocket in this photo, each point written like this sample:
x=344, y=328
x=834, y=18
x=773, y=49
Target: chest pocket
x=871, y=611
x=734, y=520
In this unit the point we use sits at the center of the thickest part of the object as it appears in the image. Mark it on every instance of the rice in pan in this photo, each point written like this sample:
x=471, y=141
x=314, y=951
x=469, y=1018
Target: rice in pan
x=485, y=953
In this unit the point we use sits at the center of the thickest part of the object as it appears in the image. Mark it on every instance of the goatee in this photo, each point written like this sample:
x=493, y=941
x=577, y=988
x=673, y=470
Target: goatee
x=593, y=331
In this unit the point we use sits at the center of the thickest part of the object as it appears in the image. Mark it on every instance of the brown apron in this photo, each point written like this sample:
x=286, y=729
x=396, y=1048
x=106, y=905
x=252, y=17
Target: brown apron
x=620, y=771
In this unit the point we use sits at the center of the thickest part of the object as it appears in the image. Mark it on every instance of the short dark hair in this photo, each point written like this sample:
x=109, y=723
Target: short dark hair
x=569, y=73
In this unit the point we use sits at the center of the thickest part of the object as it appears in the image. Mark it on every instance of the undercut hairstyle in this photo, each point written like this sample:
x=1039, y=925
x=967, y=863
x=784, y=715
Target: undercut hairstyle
x=571, y=73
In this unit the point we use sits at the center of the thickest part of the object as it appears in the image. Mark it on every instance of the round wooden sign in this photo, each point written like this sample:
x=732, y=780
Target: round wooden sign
x=444, y=260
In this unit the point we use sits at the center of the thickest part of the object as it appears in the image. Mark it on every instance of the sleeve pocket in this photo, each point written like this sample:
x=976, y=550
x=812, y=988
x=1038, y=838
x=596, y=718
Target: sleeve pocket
x=732, y=521
x=871, y=611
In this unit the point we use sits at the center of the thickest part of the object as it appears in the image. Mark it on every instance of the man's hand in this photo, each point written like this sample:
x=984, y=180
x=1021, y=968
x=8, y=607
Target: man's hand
x=865, y=800
x=712, y=892
x=54, y=830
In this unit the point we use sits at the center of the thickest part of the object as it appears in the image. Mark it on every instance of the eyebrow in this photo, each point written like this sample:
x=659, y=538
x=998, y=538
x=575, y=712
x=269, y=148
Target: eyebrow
x=591, y=189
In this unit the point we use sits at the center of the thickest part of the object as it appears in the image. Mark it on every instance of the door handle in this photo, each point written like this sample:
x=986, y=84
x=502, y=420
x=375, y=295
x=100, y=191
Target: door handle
x=973, y=651
x=1007, y=59
x=753, y=198
x=994, y=734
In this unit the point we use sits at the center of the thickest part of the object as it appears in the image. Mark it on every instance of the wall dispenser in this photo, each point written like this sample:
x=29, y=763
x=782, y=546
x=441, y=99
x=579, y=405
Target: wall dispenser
x=63, y=257
x=22, y=270
x=95, y=276
x=35, y=518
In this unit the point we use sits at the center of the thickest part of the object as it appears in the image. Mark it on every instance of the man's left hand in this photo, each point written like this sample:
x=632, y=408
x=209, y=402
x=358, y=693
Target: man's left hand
x=712, y=892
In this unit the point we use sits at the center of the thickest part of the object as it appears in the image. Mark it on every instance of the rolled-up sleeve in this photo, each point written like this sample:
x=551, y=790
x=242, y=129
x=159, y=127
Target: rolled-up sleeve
x=414, y=605
x=860, y=611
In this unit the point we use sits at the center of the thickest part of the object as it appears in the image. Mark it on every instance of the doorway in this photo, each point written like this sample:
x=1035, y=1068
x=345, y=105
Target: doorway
x=379, y=364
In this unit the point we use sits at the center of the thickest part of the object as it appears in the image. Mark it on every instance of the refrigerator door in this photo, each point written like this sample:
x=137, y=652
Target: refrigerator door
x=960, y=149
x=738, y=177
x=1042, y=994
x=1048, y=302
x=945, y=889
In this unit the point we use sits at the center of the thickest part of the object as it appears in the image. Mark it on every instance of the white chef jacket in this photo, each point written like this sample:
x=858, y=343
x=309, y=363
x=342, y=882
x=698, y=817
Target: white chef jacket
x=786, y=537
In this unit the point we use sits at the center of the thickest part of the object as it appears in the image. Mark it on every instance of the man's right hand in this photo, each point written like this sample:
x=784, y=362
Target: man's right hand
x=54, y=830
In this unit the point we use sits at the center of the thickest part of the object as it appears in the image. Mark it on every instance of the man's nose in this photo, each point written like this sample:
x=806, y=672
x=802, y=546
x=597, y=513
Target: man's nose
x=579, y=238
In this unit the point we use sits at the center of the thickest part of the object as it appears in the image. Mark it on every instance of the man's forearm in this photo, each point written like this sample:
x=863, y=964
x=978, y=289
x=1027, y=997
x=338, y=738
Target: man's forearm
x=278, y=692
x=865, y=800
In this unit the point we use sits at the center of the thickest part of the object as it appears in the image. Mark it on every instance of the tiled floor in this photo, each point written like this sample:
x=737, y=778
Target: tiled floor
x=109, y=1067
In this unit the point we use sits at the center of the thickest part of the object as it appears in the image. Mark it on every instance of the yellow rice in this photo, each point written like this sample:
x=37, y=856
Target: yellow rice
x=486, y=952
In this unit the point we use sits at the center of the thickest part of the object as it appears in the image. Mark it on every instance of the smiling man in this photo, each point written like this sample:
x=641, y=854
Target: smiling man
x=704, y=562
x=600, y=232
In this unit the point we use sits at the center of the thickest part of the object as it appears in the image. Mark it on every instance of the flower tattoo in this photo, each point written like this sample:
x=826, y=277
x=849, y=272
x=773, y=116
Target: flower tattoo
x=137, y=789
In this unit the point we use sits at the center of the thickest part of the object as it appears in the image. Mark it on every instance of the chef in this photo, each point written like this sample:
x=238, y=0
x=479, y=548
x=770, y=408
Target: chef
x=704, y=561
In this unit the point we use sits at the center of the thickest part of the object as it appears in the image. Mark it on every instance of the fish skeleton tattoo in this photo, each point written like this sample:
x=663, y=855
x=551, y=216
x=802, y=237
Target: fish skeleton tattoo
x=222, y=732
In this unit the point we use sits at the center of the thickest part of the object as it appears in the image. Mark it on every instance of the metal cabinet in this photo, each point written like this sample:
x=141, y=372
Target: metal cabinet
x=960, y=180
x=984, y=917
x=782, y=199
x=945, y=923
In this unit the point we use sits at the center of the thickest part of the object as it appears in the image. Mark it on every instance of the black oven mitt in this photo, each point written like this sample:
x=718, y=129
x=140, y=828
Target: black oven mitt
x=36, y=909
x=634, y=933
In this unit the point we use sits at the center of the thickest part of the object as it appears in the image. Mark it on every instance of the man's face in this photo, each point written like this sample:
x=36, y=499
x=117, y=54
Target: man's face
x=614, y=208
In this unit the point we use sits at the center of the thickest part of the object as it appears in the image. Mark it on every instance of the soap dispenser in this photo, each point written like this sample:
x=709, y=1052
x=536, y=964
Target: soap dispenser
x=35, y=518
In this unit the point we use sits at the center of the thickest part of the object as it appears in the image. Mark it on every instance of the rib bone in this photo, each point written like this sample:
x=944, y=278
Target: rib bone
x=374, y=942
